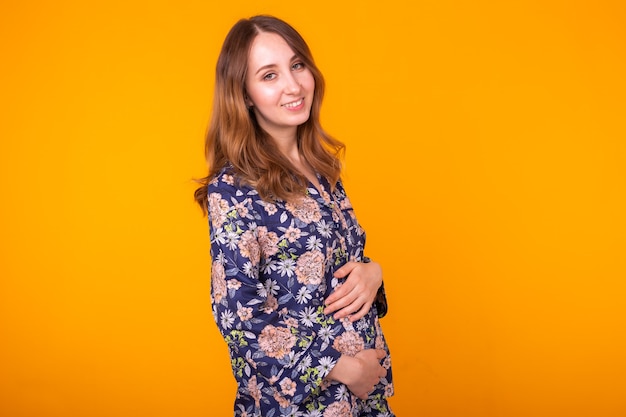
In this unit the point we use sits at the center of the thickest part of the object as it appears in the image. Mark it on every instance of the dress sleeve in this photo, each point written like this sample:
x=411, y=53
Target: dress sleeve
x=274, y=356
x=381, y=301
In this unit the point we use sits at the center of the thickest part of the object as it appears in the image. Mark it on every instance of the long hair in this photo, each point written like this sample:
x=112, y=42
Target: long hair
x=235, y=137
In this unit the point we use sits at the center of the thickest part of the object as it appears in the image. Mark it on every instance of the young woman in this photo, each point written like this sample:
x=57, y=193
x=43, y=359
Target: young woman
x=292, y=293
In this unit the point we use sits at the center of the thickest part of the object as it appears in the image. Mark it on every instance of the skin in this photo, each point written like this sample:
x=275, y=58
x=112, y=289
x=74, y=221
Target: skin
x=356, y=295
x=276, y=80
x=361, y=372
x=280, y=89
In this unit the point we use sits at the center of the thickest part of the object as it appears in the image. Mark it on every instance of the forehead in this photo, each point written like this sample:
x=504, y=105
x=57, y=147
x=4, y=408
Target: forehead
x=269, y=49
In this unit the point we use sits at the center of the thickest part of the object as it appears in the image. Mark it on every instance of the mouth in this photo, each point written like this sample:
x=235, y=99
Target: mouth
x=293, y=104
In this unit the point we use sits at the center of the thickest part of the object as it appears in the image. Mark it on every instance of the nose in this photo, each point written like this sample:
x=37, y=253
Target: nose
x=292, y=85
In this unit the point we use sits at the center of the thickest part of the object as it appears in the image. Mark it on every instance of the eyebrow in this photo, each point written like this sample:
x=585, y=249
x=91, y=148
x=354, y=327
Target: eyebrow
x=264, y=67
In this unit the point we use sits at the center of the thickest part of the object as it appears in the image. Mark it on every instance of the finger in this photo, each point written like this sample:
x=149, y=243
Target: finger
x=341, y=303
x=345, y=270
x=351, y=308
x=339, y=293
x=345, y=311
x=380, y=353
x=342, y=297
x=349, y=286
x=361, y=313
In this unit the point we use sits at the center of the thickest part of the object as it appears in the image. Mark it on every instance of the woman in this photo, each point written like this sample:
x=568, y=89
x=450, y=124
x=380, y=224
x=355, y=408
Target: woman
x=292, y=293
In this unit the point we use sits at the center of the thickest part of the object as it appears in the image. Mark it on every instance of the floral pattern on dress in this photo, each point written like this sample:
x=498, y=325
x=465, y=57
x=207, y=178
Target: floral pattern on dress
x=273, y=265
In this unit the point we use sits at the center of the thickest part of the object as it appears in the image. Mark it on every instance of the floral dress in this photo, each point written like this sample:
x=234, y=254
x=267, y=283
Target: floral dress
x=272, y=268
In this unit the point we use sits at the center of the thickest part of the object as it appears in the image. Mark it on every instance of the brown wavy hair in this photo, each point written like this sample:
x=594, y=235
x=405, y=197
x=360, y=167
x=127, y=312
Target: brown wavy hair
x=234, y=136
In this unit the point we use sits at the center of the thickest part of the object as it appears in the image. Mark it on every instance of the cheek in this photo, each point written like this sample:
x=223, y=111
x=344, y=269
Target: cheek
x=309, y=81
x=260, y=94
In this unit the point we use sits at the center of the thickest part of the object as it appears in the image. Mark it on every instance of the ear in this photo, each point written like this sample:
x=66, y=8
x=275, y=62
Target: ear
x=247, y=100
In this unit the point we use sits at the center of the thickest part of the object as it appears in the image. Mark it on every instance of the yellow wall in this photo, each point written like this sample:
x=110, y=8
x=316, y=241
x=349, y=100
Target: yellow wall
x=486, y=160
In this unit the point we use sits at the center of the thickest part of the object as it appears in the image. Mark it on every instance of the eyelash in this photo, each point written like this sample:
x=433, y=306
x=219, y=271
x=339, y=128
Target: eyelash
x=269, y=77
x=295, y=67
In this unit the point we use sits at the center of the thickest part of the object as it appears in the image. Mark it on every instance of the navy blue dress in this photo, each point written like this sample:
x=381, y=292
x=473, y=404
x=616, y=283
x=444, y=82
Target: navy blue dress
x=272, y=268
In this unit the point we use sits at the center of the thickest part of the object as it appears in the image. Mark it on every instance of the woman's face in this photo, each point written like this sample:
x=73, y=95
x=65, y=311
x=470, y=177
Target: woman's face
x=279, y=87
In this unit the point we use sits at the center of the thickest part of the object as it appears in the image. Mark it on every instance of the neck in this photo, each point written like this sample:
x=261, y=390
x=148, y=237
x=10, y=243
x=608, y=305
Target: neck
x=288, y=146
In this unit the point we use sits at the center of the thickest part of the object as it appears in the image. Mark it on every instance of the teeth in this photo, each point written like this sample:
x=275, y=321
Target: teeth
x=294, y=104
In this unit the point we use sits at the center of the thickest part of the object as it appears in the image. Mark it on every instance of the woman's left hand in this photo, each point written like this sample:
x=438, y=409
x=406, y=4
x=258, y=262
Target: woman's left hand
x=356, y=295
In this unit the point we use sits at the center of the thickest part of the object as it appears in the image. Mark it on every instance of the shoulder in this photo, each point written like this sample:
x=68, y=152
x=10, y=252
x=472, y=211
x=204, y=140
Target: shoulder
x=225, y=193
x=226, y=182
x=229, y=200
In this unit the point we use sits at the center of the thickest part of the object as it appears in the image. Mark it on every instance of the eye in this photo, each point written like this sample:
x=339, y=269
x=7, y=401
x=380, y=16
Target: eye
x=269, y=76
x=297, y=66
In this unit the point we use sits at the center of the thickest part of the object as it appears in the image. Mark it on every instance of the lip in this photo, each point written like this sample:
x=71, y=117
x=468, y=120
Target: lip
x=294, y=105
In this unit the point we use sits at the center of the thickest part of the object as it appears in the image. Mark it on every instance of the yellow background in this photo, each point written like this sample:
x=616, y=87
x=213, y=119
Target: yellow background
x=486, y=159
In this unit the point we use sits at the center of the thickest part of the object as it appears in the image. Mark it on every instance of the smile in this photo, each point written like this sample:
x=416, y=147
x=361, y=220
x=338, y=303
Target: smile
x=293, y=104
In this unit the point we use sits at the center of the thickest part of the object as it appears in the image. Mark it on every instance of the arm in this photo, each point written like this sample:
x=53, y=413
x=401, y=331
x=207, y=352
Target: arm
x=362, y=287
x=282, y=349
